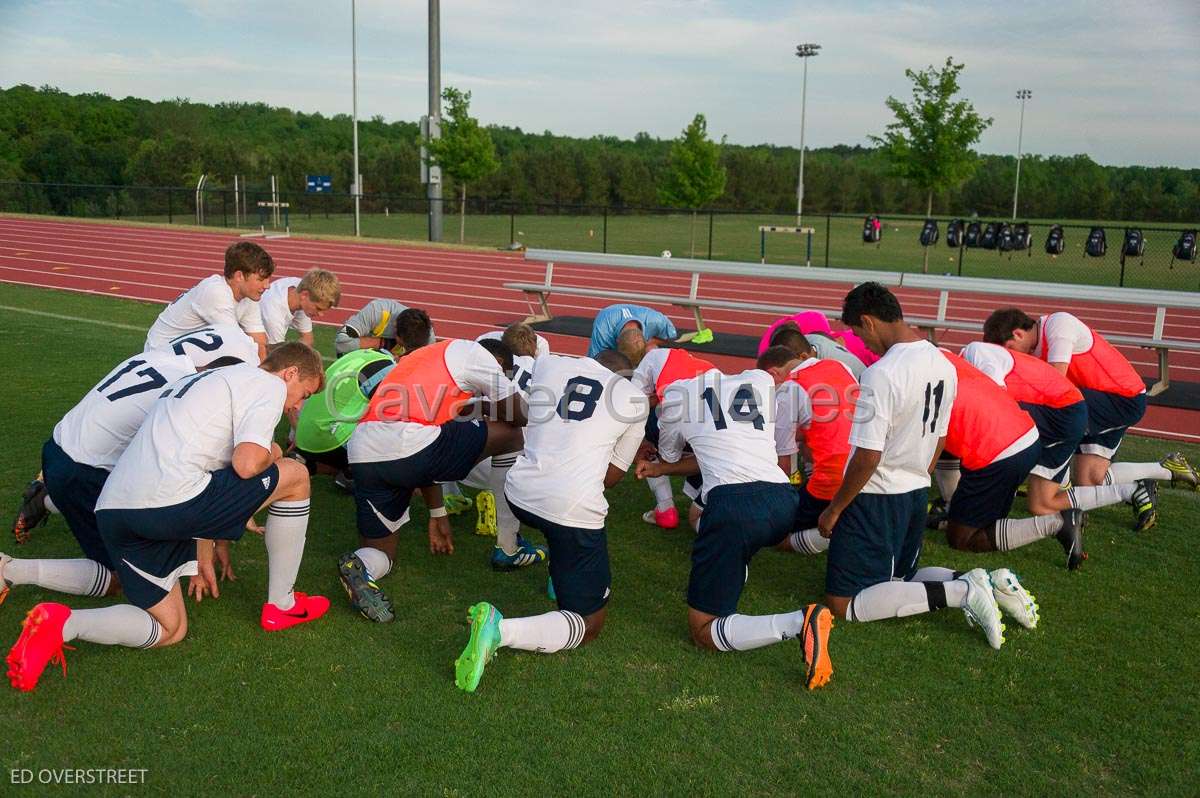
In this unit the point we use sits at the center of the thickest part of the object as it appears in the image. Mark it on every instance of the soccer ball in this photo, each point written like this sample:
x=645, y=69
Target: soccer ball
x=666, y=253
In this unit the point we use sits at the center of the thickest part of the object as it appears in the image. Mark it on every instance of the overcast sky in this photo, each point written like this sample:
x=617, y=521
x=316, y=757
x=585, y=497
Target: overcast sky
x=1118, y=81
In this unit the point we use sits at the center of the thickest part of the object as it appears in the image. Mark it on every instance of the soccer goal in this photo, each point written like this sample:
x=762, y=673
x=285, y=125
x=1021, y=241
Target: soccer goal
x=764, y=229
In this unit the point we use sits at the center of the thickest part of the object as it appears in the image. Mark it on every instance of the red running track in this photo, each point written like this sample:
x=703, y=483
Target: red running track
x=464, y=294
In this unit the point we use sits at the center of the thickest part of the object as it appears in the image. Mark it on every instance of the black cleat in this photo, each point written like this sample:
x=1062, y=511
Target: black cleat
x=33, y=512
x=365, y=595
x=1071, y=537
x=1145, y=505
x=343, y=481
x=938, y=517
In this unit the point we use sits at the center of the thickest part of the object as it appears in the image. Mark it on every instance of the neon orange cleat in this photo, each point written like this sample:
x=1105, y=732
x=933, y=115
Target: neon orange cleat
x=667, y=519
x=40, y=644
x=818, y=620
x=307, y=608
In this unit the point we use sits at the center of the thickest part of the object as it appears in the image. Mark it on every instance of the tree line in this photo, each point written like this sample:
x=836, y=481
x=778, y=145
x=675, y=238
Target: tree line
x=47, y=135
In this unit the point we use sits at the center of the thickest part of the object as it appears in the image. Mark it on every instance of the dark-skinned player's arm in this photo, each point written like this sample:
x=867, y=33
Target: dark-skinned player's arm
x=858, y=471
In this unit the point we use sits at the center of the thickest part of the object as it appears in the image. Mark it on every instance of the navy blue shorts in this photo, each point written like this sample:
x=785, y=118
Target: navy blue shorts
x=738, y=520
x=152, y=547
x=74, y=488
x=810, y=509
x=1060, y=429
x=877, y=539
x=334, y=458
x=383, y=490
x=579, y=565
x=987, y=495
x=1109, y=415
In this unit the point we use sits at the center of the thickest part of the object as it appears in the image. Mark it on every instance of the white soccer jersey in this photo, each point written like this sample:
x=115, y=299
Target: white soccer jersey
x=192, y=431
x=1062, y=336
x=210, y=301
x=249, y=316
x=96, y=431
x=214, y=342
x=277, y=315
x=992, y=359
x=473, y=369
x=543, y=346
x=582, y=417
x=902, y=411
x=728, y=420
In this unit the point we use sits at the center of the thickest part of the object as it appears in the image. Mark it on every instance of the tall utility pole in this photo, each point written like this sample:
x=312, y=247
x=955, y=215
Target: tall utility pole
x=435, y=118
x=355, y=188
x=1022, y=95
x=803, y=52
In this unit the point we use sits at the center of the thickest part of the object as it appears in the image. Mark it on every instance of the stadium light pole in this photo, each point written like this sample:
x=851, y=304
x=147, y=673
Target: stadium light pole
x=1022, y=95
x=354, y=186
x=803, y=52
x=435, y=117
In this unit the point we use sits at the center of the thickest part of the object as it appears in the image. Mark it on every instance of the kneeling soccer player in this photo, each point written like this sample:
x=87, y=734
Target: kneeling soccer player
x=412, y=437
x=584, y=430
x=196, y=471
x=877, y=518
x=749, y=504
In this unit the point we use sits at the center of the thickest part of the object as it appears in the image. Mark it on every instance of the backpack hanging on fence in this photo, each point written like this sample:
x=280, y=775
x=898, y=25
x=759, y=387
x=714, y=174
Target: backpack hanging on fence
x=1022, y=238
x=1185, y=248
x=954, y=233
x=973, y=234
x=1096, y=245
x=929, y=233
x=1135, y=243
x=990, y=233
x=872, y=230
x=1004, y=237
x=1055, y=241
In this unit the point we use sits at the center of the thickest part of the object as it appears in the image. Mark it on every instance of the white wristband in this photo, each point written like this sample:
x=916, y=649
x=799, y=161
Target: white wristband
x=437, y=512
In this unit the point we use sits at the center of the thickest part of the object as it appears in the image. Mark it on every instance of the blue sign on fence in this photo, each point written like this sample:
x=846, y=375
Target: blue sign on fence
x=318, y=184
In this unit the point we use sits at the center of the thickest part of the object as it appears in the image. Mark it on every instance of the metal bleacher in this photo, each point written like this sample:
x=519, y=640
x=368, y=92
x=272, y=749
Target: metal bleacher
x=940, y=285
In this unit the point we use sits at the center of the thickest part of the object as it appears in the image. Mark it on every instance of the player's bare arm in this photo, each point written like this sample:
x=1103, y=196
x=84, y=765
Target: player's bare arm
x=859, y=469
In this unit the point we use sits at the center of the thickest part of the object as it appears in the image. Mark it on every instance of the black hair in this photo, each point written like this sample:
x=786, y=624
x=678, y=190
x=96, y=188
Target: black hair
x=499, y=350
x=999, y=327
x=413, y=328
x=775, y=357
x=870, y=299
x=792, y=339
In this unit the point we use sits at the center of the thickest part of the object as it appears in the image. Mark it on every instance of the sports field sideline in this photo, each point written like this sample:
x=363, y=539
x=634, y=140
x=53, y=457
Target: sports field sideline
x=1095, y=701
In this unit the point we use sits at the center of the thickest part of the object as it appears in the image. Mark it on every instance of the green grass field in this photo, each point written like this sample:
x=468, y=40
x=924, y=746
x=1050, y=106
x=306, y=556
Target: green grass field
x=1101, y=699
x=736, y=237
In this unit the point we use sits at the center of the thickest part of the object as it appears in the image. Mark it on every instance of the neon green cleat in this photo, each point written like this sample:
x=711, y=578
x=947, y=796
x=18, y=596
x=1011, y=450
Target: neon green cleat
x=481, y=646
x=485, y=524
x=456, y=503
x=1182, y=472
x=704, y=336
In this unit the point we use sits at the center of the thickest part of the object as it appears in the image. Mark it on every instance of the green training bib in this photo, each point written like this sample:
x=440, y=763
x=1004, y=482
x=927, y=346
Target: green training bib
x=328, y=418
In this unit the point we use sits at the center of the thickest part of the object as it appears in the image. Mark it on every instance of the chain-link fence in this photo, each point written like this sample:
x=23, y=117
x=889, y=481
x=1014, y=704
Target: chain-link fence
x=836, y=240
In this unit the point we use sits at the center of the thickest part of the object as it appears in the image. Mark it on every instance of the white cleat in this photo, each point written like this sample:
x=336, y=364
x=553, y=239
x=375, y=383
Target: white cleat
x=981, y=608
x=1017, y=602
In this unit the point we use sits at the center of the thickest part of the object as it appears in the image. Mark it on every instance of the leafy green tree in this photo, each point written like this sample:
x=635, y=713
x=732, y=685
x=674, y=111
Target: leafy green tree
x=465, y=151
x=694, y=177
x=930, y=141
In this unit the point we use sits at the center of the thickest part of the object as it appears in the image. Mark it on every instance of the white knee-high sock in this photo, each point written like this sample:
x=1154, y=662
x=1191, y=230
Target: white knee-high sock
x=377, y=563
x=808, y=541
x=664, y=494
x=1012, y=533
x=1093, y=496
x=898, y=599
x=81, y=577
x=507, y=525
x=744, y=632
x=120, y=625
x=50, y=505
x=947, y=472
x=545, y=634
x=1132, y=472
x=287, y=527
x=935, y=573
